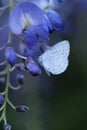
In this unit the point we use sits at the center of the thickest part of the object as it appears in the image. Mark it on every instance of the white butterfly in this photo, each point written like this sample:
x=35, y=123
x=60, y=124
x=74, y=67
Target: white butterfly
x=55, y=59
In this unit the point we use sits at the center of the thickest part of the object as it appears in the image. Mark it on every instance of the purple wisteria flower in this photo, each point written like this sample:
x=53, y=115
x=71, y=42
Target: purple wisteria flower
x=10, y=55
x=43, y=4
x=30, y=24
x=27, y=19
x=33, y=35
x=7, y=127
x=53, y=19
x=21, y=108
x=32, y=67
x=20, y=79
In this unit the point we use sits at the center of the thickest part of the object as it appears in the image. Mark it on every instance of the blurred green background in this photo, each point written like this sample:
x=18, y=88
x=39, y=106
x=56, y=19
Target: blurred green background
x=58, y=102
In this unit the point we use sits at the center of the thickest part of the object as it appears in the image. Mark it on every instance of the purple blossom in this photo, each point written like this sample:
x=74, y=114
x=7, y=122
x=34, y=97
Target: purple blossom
x=28, y=19
x=1, y=100
x=32, y=67
x=10, y=55
x=7, y=127
x=24, y=15
x=52, y=17
x=30, y=23
x=43, y=4
x=34, y=34
x=21, y=108
x=20, y=78
x=55, y=20
x=55, y=4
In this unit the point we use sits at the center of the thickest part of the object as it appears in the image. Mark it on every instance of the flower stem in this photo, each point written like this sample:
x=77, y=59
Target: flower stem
x=6, y=100
x=6, y=93
x=11, y=7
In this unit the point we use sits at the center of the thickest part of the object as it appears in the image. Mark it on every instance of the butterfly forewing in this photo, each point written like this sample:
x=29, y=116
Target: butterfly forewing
x=55, y=59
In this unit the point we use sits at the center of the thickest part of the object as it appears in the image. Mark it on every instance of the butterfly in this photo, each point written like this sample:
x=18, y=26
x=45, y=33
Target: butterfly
x=55, y=59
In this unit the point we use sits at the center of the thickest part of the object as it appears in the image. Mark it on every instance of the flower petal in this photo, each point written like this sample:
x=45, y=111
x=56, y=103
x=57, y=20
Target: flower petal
x=55, y=19
x=40, y=32
x=10, y=55
x=31, y=39
x=47, y=21
x=24, y=50
x=41, y=3
x=35, y=33
x=16, y=20
x=25, y=14
x=32, y=67
x=54, y=4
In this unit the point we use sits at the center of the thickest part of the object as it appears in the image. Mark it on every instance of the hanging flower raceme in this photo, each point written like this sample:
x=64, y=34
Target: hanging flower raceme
x=31, y=21
x=27, y=19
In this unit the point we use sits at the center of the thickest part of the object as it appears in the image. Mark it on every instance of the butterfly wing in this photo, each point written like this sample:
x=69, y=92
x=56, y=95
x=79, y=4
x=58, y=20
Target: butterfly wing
x=55, y=59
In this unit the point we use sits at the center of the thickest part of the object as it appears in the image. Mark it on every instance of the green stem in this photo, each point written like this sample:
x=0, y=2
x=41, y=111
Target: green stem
x=6, y=100
x=6, y=94
x=11, y=104
x=3, y=72
x=4, y=62
x=11, y=7
x=15, y=88
x=10, y=37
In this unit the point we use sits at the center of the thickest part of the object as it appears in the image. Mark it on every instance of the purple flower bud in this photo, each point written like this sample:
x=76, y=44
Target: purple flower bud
x=32, y=67
x=55, y=20
x=21, y=108
x=2, y=81
x=7, y=127
x=20, y=78
x=10, y=55
x=20, y=66
x=1, y=100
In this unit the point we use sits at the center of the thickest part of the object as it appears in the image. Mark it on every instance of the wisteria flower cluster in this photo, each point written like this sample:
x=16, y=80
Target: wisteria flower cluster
x=31, y=22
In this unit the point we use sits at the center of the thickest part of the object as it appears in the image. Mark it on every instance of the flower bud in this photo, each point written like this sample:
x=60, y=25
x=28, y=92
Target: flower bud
x=7, y=127
x=20, y=78
x=20, y=66
x=55, y=20
x=21, y=108
x=10, y=55
x=1, y=100
x=2, y=81
x=32, y=67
